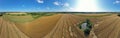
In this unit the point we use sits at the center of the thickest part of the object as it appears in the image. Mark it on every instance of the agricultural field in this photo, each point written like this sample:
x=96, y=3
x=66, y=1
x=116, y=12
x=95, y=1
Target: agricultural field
x=19, y=18
x=59, y=25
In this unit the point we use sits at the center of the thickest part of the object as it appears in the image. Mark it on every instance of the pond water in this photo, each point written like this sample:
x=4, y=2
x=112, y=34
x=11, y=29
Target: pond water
x=84, y=26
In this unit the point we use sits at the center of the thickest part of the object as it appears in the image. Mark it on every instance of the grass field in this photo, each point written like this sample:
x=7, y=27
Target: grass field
x=19, y=18
x=25, y=17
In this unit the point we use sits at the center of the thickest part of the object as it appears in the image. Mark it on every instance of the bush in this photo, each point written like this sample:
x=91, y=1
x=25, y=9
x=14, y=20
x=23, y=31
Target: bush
x=87, y=31
x=89, y=26
x=23, y=14
x=118, y=14
x=89, y=23
x=37, y=15
x=1, y=14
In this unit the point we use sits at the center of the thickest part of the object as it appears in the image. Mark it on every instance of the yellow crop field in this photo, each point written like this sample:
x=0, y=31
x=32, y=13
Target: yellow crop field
x=23, y=25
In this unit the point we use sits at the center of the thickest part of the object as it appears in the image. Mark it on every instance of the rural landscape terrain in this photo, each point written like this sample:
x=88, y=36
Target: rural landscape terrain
x=59, y=25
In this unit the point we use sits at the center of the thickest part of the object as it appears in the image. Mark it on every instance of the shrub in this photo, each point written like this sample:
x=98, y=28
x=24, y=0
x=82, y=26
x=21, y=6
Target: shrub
x=23, y=14
x=87, y=31
x=89, y=26
x=118, y=14
x=89, y=23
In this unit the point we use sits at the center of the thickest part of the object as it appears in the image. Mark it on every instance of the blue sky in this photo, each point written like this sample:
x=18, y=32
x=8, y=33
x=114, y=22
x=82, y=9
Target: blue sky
x=110, y=5
x=60, y=5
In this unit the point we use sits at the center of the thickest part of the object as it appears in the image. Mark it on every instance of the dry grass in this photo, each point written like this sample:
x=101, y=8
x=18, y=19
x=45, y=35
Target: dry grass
x=93, y=15
x=109, y=28
x=41, y=26
x=38, y=28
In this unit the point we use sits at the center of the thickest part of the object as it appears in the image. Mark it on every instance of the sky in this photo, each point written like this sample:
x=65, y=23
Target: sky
x=59, y=5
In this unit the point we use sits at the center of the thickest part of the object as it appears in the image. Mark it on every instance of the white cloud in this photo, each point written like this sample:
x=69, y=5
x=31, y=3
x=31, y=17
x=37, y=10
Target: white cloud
x=56, y=3
x=40, y=1
x=71, y=8
x=66, y=5
x=116, y=2
x=61, y=4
